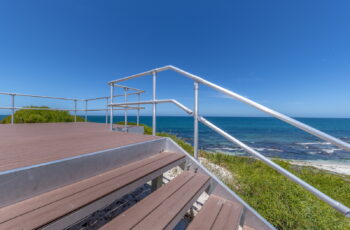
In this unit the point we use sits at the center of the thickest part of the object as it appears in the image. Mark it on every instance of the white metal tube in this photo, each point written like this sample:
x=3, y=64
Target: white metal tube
x=238, y=97
x=29, y=95
x=86, y=109
x=78, y=110
x=187, y=110
x=267, y=110
x=125, y=111
x=138, y=111
x=335, y=204
x=154, y=119
x=111, y=111
x=107, y=110
x=195, y=125
x=75, y=110
x=13, y=109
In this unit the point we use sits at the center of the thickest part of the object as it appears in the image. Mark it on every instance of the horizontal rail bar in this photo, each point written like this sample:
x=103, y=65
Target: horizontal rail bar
x=187, y=110
x=28, y=108
x=129, y=88
x=280, y=116
x=30, y=95
x=333, y=203
x=140, y=74
x=119, y=95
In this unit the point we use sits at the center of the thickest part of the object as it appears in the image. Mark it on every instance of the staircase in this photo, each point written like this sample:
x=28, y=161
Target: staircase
x=162, y=209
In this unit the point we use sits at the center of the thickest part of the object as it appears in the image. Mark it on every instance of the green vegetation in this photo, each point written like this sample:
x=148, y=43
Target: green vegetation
x=282, y=202
x=41, y=116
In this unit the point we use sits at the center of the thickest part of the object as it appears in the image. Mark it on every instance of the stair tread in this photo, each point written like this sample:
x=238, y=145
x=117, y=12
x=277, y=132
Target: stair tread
x=217, y=213
x=160, y=209
x=39, y=210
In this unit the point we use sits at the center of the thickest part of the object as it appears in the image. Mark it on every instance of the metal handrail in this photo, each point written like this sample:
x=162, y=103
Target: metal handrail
x=13, y=108
x=280, y=116
x=335, y=204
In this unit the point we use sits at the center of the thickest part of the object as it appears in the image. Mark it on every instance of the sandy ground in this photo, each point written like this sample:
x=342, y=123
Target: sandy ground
x=333, y=166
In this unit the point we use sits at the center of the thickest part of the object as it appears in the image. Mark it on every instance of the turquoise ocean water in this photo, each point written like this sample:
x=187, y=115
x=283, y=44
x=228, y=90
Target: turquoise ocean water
x=270, y=136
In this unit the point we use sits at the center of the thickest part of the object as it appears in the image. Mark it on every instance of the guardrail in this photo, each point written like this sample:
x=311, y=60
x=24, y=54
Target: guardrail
x=14, y=108
x=197, y=118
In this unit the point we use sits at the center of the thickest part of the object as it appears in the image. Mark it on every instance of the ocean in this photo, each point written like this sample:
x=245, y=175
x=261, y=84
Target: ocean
x=271, y=137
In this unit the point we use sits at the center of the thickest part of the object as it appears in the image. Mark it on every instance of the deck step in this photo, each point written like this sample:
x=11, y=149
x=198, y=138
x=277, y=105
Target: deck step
x=217, y=214
x=164, y=207
x=42, y=209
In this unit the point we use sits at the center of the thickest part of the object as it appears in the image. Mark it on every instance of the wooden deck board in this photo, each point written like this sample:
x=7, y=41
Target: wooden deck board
x=217, y=214
x=29, y=144
x=158, y=209
x=35, y=212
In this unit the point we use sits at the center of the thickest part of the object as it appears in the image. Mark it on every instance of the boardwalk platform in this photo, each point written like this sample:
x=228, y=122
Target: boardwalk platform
x=29, y=144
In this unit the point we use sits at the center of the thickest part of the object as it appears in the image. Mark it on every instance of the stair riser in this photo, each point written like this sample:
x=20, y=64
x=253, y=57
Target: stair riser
x=23, y=183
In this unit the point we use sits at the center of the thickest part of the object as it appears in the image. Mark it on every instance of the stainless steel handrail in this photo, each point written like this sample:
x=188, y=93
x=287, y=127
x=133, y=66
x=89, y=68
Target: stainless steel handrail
x=13, y=108
x=335, y=204
x=289, y=120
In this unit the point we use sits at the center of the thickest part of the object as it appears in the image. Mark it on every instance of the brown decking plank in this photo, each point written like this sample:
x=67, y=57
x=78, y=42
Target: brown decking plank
x=161, y=217
x=24, y=206
x=229, y=216
x=28, y=144
x=75, y=197
x=217, y=214
x=135, y=214
x=207, y=215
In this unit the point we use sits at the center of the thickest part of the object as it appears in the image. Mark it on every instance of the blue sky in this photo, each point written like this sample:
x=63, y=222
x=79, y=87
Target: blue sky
x=293, y=56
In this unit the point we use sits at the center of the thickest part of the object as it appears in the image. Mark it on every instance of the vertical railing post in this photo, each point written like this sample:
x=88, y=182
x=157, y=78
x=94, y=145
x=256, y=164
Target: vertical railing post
x=86, y=108
x=138, y=111
x=75, y=110
x=111, y=108
x=125, y=110
x=195, y=115
x=154, y=120
x=13, y=108
x=106, y=110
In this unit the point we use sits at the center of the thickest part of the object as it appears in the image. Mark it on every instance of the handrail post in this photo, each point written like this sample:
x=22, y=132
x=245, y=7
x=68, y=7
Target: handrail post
x=111, y=108
x=75, y=110
x=106, y=110
x=86, y=107
x=126, y=110
x=195, y=116
x=154, y=121
x=138, y=111
x=13, y=108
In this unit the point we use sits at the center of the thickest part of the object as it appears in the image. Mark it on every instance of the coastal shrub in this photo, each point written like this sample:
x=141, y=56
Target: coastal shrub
x=41, y=116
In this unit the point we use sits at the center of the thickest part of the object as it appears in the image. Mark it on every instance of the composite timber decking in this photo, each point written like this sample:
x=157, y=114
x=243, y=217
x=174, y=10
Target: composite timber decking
x=29, y=144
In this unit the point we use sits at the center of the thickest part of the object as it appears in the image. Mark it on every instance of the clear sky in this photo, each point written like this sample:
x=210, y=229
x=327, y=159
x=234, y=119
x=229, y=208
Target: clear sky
x=293, y=56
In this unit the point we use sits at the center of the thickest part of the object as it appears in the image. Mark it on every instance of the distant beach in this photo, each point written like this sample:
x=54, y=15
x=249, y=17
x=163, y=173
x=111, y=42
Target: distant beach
x=333, y=166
